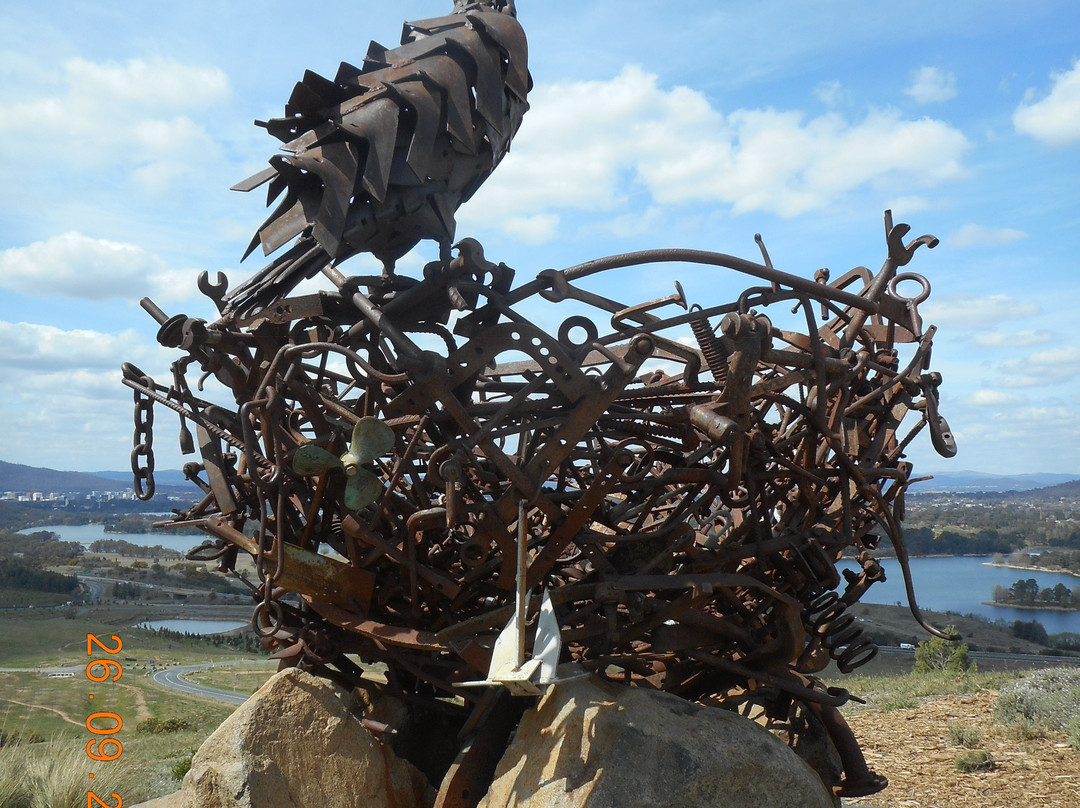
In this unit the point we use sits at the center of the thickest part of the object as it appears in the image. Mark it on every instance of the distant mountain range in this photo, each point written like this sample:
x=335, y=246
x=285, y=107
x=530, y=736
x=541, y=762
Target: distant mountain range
x=970, y=482
x=14, y=477
x=167, y=477
x=25, y=479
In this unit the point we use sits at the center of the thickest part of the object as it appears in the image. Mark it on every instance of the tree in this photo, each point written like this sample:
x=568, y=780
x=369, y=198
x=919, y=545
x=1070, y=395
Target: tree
x=938, y=654
x=1031, y=630
x=1025, y=591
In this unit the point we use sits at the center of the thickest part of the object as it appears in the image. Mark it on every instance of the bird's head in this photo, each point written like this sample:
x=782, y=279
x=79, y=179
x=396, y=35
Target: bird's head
x=469, y=249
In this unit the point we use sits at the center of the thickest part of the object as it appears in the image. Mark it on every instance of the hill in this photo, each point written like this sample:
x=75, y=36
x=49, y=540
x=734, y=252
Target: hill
x=14, y=477
x=26, y=479
x=1070, y=489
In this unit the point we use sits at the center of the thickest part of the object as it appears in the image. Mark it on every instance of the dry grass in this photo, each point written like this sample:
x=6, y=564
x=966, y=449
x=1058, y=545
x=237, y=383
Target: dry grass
x=58, y=774
x=912, y=748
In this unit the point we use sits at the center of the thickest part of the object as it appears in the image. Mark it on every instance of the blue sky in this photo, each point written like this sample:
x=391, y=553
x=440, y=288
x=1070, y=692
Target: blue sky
x=694, y=124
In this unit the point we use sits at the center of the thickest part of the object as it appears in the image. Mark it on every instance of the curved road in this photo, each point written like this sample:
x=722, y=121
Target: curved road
x=173, y=678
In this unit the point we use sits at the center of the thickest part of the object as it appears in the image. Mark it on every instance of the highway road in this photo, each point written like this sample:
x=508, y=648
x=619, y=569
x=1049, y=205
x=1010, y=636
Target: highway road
x=173, y=678
x=98, y=584
x=1040, y=659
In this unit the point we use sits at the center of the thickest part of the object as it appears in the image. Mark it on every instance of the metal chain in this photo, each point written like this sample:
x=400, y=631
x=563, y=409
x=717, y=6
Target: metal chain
x=142, y=455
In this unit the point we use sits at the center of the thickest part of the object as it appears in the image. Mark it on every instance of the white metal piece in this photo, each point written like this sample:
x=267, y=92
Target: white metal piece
x=509, y=668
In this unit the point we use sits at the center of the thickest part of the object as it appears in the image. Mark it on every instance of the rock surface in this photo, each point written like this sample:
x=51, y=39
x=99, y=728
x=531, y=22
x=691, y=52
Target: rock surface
x=173, y=800
x=594, y=745
x=294, y=744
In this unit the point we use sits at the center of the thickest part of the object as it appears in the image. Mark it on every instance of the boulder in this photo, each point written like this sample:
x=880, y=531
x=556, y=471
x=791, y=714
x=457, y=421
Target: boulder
x=294, y=744
x=174, y=800
x=592, y=744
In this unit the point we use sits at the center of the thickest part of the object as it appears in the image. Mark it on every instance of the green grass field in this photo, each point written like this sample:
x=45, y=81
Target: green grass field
x=45, y=638
x=245, y=680
x=11, y=596
x=50, y=714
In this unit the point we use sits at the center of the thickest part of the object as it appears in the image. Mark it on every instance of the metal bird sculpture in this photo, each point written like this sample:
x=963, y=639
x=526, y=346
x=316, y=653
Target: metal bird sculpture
x=682, y=508
x=383, y=155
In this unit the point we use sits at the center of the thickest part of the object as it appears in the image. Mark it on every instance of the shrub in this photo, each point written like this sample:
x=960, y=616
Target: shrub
x=975, y=760
x=1024, y=729
x=181, y=767
x=898, y=703
x=157, y=726
x=969, y=737
x=943, y=655
x=1066, y=641
x=1048, y=699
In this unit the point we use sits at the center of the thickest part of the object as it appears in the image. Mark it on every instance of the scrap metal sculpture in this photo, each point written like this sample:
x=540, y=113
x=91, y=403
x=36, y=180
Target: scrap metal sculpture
x=413, y=458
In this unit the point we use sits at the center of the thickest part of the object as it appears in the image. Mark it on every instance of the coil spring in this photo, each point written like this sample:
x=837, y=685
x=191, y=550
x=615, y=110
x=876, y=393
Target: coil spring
x=711, y=349
x=827, y=615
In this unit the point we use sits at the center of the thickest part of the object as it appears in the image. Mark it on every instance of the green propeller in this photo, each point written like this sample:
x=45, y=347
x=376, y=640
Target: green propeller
x=370, y=439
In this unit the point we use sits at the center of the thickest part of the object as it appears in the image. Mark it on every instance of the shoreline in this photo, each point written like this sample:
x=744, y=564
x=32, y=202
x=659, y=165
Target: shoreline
x=1031, y=569
x=1065, y=609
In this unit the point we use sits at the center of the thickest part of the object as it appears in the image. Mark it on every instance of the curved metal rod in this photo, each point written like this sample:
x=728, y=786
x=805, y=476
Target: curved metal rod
x=680, y=255
x=896, y=536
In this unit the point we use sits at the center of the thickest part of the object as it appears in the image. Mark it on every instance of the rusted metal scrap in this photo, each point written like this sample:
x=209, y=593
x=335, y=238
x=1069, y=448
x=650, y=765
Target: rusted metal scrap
x=406, y=459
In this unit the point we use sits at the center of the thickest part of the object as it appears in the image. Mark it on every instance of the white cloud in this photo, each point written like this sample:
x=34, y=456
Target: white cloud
x=1042, y=368
x=904, y=206
x=590, y=145
x=537, y=229
x=832, y=94
x=131, y=115
x=46, y=348
x=74, y=265
x=631, y=225
x=971, y=235
x=1054, y=119
x=971, y=312
x=66, y=416
x=78, y=266
x=930, y=85
x=996, y=398
x=62, y=401
x=1014, y=339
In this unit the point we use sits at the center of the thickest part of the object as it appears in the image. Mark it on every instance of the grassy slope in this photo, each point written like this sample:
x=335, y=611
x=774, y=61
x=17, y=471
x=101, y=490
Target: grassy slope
x=56, y=709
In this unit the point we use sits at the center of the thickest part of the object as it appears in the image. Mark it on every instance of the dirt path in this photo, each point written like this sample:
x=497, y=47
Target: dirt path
x=910, y=747
x=60, y=713
x=142, y=712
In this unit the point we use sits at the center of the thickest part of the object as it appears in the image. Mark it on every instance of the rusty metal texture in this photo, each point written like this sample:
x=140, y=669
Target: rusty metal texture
x=684, y=477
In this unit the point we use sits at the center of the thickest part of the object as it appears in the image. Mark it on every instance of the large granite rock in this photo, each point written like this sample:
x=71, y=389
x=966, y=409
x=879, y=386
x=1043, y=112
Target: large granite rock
x=294, y=744
x=590, y=744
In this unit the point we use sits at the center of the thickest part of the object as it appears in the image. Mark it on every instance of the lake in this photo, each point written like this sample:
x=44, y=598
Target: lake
x=962, y=584
x=87, y=534
x=958, y=584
